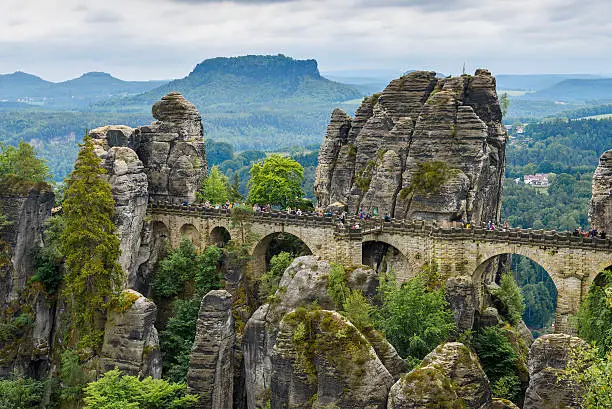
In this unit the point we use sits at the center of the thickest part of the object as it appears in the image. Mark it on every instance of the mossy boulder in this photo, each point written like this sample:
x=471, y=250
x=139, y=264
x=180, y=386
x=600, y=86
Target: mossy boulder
x=320, y=360
x=450, y=377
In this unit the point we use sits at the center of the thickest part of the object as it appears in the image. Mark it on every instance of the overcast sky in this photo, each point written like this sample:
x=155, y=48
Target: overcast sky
x=162, y=39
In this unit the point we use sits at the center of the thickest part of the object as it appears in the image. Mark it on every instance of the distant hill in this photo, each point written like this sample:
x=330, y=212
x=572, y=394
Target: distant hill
x=577, y=90
x=535, y=82
x=252, y=79
x=76, y=93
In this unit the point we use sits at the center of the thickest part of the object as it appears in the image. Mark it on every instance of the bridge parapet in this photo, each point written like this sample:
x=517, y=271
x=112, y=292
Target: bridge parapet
x=395, y=226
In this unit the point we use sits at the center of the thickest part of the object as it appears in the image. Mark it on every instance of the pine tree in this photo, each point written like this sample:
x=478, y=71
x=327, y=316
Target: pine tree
x=93, y=276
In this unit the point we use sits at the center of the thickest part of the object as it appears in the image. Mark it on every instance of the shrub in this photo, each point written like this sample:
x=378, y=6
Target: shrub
x=177, y=338
x=595, y=314
x=357, y=310
x=511, y=299
x=114, y=391
x=499, y=361
x=414, y=318
x=20, y=393
x=270, y=279
x=337, y=285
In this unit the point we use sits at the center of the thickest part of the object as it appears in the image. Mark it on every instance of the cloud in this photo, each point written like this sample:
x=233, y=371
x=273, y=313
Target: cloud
x=103, y=16
x=165, y=38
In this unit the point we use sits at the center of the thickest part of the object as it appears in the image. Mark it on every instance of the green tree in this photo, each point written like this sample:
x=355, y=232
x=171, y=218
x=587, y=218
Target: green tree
x=510, y=298
x=277, y=180
x=499, y=361
x=91, y=248
x=49, y=259
x=593, y=373
x=270, y=279
x=116, y=391
x=20, y=393
x=23, y=162
x=215, y=188
x=595, y=314
x=504, y=103
x=414, y=318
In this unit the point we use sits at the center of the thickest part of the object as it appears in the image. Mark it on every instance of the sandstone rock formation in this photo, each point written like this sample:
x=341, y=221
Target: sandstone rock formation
x=600, y=209
x=462, y=299
x=172, y=149
x=129, y=185
x=548, y=358
x=449, y=374
x=321, y=360
x=419, y=124
x=303, y=283
x=130, y=339
x=27, y=351
x=211, y=372
x=27, y=212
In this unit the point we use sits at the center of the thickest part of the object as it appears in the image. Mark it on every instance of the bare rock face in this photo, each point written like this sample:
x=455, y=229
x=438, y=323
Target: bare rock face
x=461, y=296
x=211, y=372
x=303, y=283
x=321, y=360
x=129, y=185
x=600, y=209
x=172, y=149
x=548, y=358
x=27, y=212
x=418, y=124
x=130, y=339
x=450, y=373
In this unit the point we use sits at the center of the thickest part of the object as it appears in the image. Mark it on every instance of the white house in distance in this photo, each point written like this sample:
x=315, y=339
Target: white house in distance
x=537, y=180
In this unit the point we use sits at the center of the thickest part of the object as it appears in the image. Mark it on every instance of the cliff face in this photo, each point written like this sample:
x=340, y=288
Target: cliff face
x=600, y=208
x=425, y=148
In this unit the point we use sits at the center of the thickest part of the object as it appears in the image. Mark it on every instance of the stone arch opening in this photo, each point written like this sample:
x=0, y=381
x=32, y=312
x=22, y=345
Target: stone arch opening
x=190, y=232
x=384, y=257
x=273, y=244
x=539, y=289
x=219, y=236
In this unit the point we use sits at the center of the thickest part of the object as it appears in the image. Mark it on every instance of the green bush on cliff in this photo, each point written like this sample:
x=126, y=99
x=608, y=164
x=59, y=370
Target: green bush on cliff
x=510, y=298
x=592, y=371
x=116, y=391
x=595, y=315
x=499, y=361
x=428, y=178
x=20, y=393
x=268, y=283
x=49, y=259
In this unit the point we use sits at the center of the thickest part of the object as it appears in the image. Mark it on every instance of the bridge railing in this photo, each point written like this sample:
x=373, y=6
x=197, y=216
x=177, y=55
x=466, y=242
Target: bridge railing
x=395, y=226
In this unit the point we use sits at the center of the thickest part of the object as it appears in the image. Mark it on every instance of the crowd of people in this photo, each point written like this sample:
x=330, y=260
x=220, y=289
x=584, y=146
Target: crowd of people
x=578, y=232
x=341, y=218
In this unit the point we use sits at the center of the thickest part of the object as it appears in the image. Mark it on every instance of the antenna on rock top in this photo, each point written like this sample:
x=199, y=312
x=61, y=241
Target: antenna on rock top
x=463, y=72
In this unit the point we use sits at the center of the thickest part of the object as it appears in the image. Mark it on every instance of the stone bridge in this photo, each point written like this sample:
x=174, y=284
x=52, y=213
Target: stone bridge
x=572, y=262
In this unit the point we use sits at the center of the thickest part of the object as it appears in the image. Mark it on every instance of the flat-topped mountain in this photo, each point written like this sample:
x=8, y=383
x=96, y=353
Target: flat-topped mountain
x=252, y=79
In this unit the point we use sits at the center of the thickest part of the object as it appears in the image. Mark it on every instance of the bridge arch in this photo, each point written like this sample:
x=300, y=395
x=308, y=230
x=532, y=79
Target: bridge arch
x=219, y=236
x=384, y=257
x=274, y=243
x=189, y=231
x=564, y=302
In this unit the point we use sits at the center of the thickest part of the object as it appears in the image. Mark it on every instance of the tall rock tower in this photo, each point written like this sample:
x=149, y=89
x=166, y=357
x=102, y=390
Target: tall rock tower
x=424, y=148
x=600, y=208
x=172, y=149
